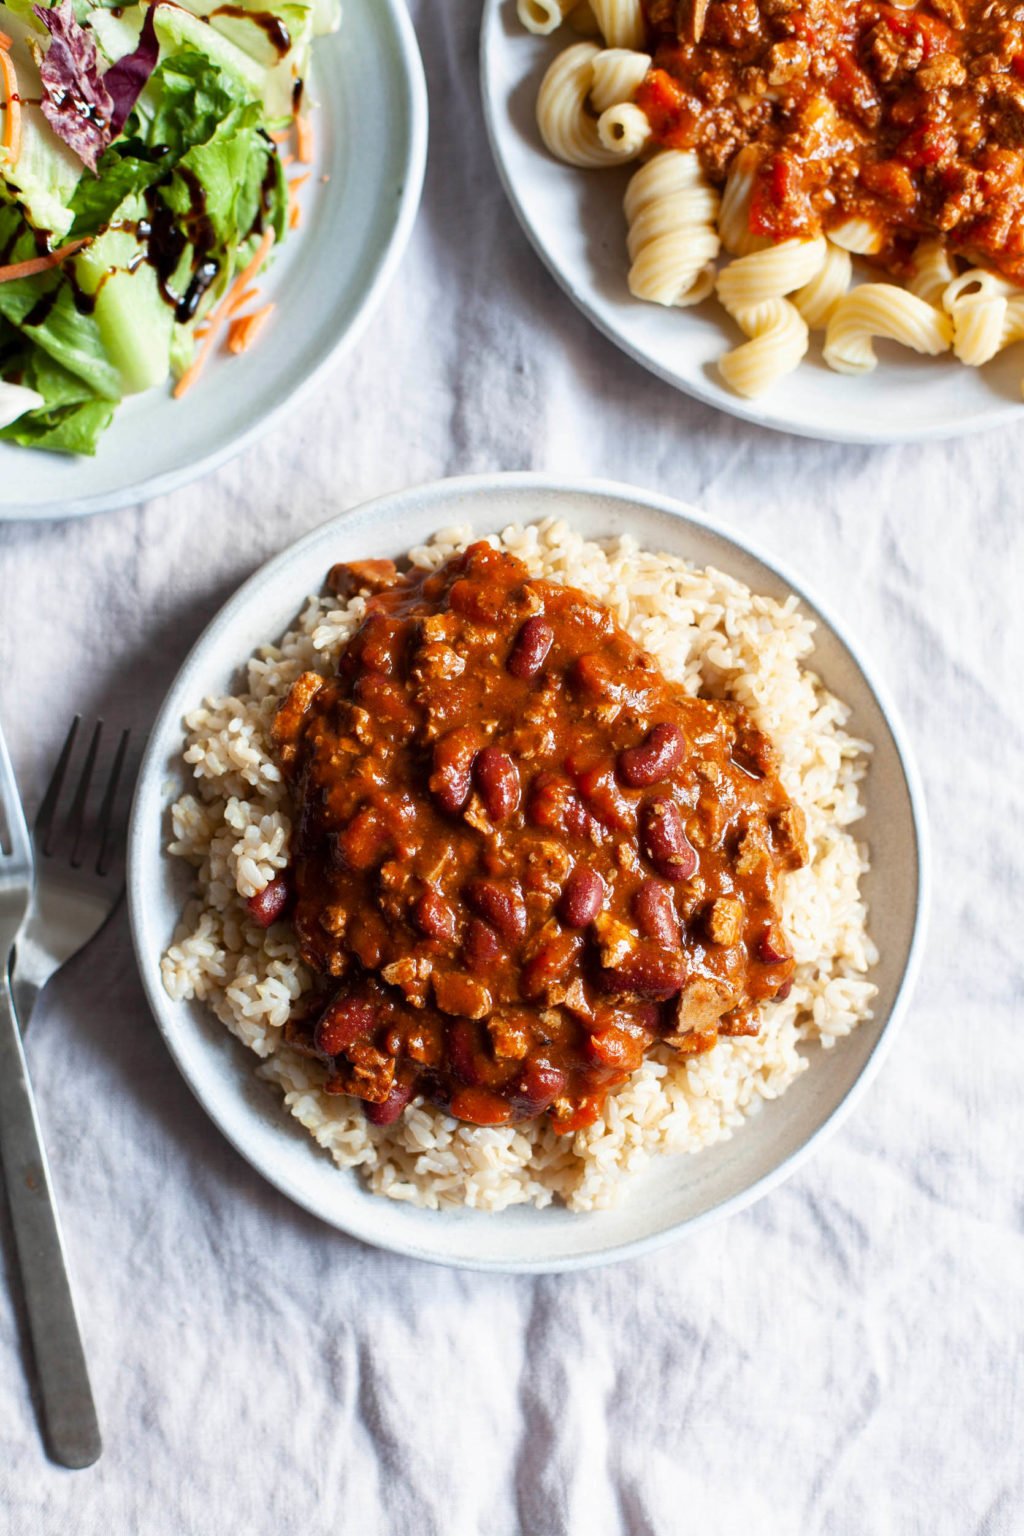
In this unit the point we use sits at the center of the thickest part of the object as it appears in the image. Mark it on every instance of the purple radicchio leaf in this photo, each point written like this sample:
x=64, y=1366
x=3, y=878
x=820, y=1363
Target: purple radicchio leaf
x=76, y=103
x=126, y=79
x=82, y=107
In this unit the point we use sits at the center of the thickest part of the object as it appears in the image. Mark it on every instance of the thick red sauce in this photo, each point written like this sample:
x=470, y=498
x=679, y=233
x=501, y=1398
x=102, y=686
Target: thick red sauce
x=520, y=855
x=913, y=119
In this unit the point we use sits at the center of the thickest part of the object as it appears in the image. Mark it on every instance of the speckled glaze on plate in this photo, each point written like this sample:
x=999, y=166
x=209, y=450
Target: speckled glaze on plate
x=674, y=1195
x=359, y=208
x=575, y=222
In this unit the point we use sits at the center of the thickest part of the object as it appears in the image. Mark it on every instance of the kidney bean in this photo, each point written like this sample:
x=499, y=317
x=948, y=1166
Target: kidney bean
x=582, y=897
x=464, y=1054
x=665, y=840
x=497, y=779
x=451, y=779
x=365, y=840
x=530, y=648
x=592, y=673
x=380, y=643
x=391, y=1108
x=537, y=1086
x=500, y=905
x=661, y=750
x=784, y=991
x=480, y=1107
x=342, y=1023
x=434, y=915
x=648, y=971
x=605, y=799
x=550, y=964
x=555, y=805
x=655, y=914
x=481, y=948
x=269, y=905
x=771, y=947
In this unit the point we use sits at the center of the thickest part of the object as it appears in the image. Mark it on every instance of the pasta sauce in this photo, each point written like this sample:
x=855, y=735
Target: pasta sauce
x=521, y=856
x=911, y=120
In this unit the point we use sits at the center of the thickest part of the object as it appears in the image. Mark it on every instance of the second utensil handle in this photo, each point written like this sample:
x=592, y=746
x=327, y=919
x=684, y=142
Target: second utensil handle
x=72, y=1428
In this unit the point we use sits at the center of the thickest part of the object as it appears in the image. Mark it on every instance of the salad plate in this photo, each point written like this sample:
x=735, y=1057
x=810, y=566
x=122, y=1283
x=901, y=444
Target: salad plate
x=367, y=104
x=574, y=220
x=672, y=1196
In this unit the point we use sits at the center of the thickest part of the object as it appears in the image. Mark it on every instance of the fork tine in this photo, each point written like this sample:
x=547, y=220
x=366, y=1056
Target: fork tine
x=17, y=833
x=76, y=816
x=107, y=808
x=47, y=811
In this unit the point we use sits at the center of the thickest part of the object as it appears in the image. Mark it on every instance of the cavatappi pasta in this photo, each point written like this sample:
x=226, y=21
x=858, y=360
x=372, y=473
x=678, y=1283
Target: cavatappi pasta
x=672, y=240
x=679, y=227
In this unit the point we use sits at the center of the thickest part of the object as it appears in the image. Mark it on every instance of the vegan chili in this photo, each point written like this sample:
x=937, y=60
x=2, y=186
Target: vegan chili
x=520, y=855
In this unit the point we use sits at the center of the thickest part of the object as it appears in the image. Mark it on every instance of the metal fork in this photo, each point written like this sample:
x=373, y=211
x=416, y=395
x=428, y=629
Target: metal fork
x=79, y=869
x=72, y=1429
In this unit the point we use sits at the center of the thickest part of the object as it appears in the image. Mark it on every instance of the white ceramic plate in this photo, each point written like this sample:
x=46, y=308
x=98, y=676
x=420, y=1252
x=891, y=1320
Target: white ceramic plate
x=371, y=138
x=674, y=1194
x=574, y=219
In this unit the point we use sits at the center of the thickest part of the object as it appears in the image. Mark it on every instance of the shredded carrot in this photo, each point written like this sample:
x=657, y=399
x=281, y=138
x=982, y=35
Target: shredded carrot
x=12, y=117
x=287, y=160
x=281, y=136
x=244, y=329
x=244, y=298
x=303, y=139
x=5, y=41
x=294, y=187
x=224, y=309
x=40, y=263
x=232, y=306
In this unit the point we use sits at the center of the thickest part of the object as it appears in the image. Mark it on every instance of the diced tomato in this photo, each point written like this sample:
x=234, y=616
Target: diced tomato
x=929, y=144
x=850, y=86
x=665, y=105
x=801, y=27
x=779, y=207
x=934, y=35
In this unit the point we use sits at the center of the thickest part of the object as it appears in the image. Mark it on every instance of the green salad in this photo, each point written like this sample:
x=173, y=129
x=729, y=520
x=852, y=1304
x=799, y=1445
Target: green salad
x=140, y=184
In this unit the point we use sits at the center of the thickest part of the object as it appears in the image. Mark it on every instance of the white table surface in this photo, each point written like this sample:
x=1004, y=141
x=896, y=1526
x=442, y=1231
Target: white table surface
x=845, y=1357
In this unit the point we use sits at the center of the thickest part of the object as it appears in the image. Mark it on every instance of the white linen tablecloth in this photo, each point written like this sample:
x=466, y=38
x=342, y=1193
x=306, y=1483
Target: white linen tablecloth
x=847, y=1356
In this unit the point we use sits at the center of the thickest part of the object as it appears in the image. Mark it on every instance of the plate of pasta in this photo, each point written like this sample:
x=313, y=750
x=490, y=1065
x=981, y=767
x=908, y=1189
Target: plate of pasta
x=809, y=217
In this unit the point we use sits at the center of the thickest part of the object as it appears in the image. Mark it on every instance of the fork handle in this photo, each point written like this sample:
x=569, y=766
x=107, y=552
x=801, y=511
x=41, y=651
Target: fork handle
x=72, y=1428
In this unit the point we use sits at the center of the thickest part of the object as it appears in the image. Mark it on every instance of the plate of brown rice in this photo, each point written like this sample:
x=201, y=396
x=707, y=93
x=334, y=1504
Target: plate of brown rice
x=685, y=1139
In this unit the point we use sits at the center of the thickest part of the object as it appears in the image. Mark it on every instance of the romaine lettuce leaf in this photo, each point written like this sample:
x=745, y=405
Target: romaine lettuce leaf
x=71, y=418
x=43, y=309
